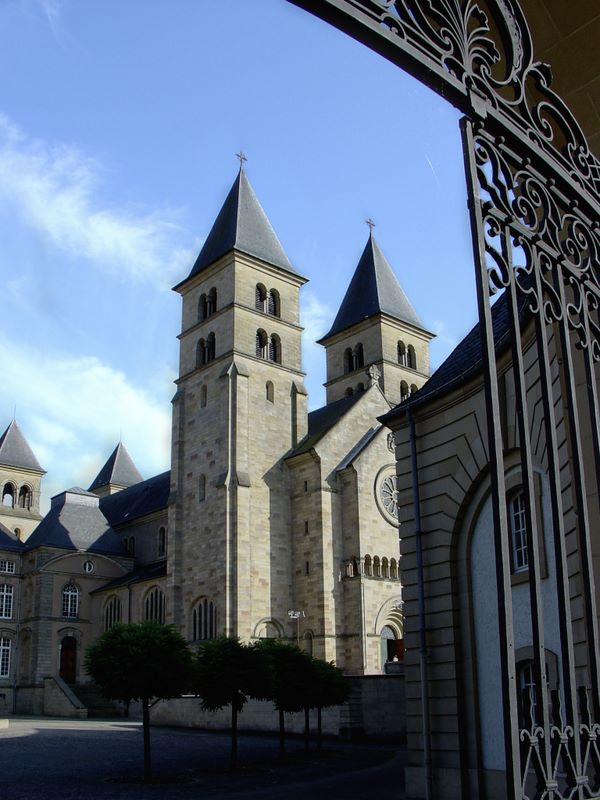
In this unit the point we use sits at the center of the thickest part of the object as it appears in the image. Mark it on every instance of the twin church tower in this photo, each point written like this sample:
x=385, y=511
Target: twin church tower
x=272, y=521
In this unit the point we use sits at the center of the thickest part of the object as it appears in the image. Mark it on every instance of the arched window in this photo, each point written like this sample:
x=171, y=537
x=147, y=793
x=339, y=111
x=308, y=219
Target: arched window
x=154, y=606
x=376, y=567
x=307, y=643
x=402, y=353
x=273, y=303
x=8, y=495
x=112, y=612
x=260, y=297
x=204, y=620
x=393, y=569
x=349, y=391
x=275, y=348
x=411, y=357
x=201, y=488
x=210, y=348
x=131, y=546
x=413, y=388
x=6, y=601
x=385, y=570
x=262, y=349
x=162, y=542
x=270, y=392
x=368, y=566
x=203, y=396
x=211, y=302
x=25, y=498
x=201, y=353
x=202, y=308
x=70, y=601
x=360, y=387
x=5, y=644
x=518, y=531
x=404, y=391
x=358, y=358
x=348, y=360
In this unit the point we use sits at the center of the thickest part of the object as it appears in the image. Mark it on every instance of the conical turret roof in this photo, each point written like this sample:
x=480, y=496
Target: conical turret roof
x=374, y=289
x=15, y=452
x=119, y=470
x=242, y=225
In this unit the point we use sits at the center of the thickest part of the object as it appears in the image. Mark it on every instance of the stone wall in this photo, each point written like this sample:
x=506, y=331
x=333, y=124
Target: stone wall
x=375, y=710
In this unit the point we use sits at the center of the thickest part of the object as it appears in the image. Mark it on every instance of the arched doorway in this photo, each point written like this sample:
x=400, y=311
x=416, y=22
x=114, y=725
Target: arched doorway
x=392, y=646
x=68, y=659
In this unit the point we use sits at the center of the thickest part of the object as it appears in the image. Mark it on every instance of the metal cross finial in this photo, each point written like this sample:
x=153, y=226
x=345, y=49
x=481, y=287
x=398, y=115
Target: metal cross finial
x=370, y=223
x=242, y=158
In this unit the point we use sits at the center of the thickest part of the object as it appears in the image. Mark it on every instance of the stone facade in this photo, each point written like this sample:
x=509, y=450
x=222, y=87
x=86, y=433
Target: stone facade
x=272, y=521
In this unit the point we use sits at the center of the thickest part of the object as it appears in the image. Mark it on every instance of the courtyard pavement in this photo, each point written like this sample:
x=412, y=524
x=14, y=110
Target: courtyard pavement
x=51, y=759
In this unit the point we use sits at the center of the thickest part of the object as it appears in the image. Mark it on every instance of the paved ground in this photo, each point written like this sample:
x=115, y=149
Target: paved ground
x=43, y=759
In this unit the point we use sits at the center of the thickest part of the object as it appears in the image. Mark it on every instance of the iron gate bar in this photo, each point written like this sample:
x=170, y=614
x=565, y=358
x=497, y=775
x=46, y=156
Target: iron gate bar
x=496, y=460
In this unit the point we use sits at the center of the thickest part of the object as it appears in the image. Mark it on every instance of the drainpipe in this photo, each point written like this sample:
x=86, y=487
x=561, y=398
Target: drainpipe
x=421, y=596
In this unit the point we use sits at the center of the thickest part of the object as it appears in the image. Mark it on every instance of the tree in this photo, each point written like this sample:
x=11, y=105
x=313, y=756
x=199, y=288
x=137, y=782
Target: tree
x=286, y=673
x=329, y=687
x=228, y=673
x=140, y=662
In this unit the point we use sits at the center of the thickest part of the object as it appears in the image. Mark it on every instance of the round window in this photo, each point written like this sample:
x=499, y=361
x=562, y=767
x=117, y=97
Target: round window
x=386, y=494
x=88, y=566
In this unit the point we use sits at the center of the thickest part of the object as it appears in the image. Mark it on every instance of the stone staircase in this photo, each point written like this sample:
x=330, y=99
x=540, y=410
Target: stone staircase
x=98, y=707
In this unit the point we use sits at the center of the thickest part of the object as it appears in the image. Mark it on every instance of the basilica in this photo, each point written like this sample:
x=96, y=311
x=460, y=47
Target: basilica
x=271, y=522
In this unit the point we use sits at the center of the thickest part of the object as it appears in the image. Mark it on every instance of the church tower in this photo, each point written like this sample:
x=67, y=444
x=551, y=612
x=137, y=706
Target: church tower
x=20, y=483
x=240, y=406
x=376, y=325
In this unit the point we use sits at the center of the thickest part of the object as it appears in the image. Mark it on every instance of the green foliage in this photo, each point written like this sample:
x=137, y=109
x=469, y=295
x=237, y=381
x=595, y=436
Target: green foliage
x=140, y=661
x=227, y=673
x=287, y=673
x=329, y=685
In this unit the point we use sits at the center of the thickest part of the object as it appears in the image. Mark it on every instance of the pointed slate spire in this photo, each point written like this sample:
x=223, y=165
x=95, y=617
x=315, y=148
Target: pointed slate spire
x=374, y=289
x=15, y=452
x=119, y=471
x=242, y=225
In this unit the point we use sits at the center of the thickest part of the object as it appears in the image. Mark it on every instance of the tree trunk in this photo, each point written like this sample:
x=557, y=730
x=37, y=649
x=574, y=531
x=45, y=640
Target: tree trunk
x=281, y=734
x=319, y=741
x=146, y=721
x=306, y=729
x=234, y=736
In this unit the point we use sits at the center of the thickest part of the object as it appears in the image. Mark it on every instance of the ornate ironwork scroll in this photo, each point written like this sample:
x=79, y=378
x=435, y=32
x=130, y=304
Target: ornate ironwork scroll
x=534, y=194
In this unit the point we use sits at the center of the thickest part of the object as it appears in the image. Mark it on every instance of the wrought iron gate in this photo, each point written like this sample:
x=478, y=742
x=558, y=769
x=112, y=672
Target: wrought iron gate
x=534, y=193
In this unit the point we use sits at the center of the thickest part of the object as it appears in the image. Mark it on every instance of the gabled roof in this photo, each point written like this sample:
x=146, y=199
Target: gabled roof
x=322, y=420
x=145, y=572
x=8, y=540
x=75, y=522
x=374, y=289
x=242, y=225
x=14, y=450
x=136, y=501
x=119, y=470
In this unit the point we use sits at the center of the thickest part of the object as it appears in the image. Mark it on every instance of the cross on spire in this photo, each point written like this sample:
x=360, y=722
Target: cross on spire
x=370, y=223
x=242, y=158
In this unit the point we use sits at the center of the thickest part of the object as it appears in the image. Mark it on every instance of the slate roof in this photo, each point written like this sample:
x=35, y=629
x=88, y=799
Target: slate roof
x=75, y=522
x=145, y=572
x=15, y=452
x=374, y=289
x=322, y=420
x=464, y=361
x=242, y=225
x=143, y=498
x=8, y=540
x=118, y=470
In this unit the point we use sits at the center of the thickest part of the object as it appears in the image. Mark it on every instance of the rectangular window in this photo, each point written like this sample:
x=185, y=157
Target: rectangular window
x=305, y=526
x=307, y=568
x=7, y=567
x=6, y=601
x=4, y=657
x=518, y=531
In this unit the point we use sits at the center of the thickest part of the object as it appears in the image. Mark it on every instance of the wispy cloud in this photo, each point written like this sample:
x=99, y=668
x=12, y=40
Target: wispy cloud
x=79, y=409
x=54, y=189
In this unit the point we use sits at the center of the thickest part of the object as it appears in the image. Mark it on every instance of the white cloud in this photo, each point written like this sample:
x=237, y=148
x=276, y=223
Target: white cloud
x=74, y=411
x=54, y=190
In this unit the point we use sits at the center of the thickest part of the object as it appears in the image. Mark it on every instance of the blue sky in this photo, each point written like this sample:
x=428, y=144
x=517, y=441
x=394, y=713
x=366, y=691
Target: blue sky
x=119, y=124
